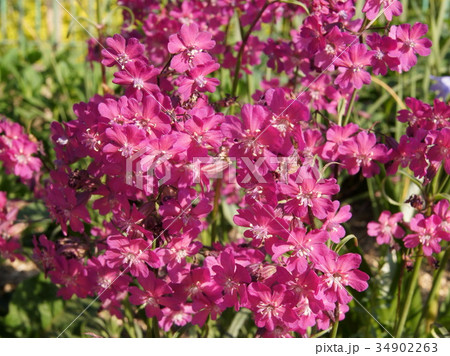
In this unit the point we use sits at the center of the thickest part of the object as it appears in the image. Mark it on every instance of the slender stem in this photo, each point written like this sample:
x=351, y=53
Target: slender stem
x=336, y=322
x=100, y=39
x=242, y=48
x=217, y=191
x=350, y=107
x=390, y=91
x=409, y=294
x=434, y=291
x=155, y=328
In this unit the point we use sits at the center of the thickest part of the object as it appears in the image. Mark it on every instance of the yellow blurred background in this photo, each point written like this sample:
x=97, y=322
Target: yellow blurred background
x=49, y=20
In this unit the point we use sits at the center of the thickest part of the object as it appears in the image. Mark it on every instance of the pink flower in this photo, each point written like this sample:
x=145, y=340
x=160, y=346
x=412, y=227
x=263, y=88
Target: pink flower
x=196, y=80
x=286, y=113
x=332, y=224
x=382, y=59
x=336, y=136
x=179, y=316
x=361, y=151
x=390, y=8
x=125, y=141
x=151, y=296
x=148, y=116
x=338, y=272
x=251, y=136
x=386, y=228
x=133, y=254
x=73, y=277
x=137, y=76
x=44, y=253
x=232, y=277
x=335, y=43
x=442, y=209
x=262, y=222
x=189, y=47
x=120, y=52
x=441, y=149
x=302, y=247
x=427, y=234
x=351, y=65
x=410, y=43
x=268, y=304
x=306, y=190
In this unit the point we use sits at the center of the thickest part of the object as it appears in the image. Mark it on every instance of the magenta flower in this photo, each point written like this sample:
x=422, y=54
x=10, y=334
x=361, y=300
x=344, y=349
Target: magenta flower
x=409, y=152
x=301, y=245
x=335, y=43
x=147, y=115
x=44, y=252
x=427, y=233
x=268, y=304
x=133, y=254
x=306, y=190
x=390, y=8
x=196, y=284
x=72, y=276
x=441, y=149
x=184, y=213
x=125, y=141
x=332, y=224
x=189, y=47
x=65, y=205
x=137, y=76
x=251, y=136
x=151, y=296
x=338, y=272
x=336, y=136
x=179, y=316
x=121, y=52
x=232, y=277
x=107, y=282
x=286, y=113
x=386, y=228
x=362, y=152
x=410, y=43
x=196, y=80
x=262, y=222
x=442, y=209
x=351, y=65
x=382, y=59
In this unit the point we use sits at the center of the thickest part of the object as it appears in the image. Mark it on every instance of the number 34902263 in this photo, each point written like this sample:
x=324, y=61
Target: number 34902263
x=413, y=347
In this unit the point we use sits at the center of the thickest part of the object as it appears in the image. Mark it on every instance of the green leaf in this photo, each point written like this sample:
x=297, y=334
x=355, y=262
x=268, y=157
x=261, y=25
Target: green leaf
x=344, y=241
x=298, y=3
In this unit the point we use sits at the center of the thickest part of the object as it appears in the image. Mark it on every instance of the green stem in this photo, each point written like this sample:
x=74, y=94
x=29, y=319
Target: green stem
x=215, y=210
x=155, y=328
x=350, y=108
x=336, y=322
x=242, y=48
x=434, y=292
x=410, y=294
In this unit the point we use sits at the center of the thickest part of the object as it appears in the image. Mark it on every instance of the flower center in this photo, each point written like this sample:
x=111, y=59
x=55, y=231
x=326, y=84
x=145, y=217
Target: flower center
x=138, y=83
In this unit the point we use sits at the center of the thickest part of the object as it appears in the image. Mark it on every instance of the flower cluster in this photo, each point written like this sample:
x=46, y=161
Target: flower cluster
x=426, y=145
x=426, y=231
x=141, y=179
x=17, y=151
x=425, y=150
x=9, y=231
